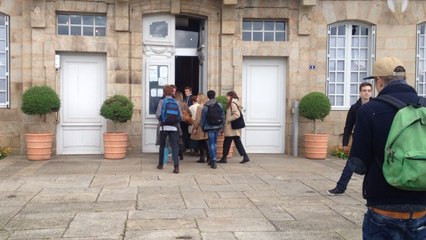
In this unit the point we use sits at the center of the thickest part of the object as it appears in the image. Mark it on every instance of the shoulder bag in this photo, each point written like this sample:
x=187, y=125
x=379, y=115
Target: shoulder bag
x=239, y=122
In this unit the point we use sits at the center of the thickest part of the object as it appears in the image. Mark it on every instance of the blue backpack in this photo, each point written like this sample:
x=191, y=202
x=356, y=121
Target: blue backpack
x=170, y=114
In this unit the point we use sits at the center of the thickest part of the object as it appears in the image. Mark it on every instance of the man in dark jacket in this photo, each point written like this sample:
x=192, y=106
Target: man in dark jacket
x=211, y=129
x=365, y=90
x=392, y=213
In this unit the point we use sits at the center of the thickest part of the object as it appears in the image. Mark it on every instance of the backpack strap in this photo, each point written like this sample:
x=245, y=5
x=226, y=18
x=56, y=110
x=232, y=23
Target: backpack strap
x=395, y=102
x=422, y=102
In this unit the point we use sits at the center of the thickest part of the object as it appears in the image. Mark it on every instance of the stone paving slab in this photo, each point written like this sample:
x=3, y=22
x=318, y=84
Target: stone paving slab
x=40, y=221
x=174, y=234
x=92, y=224
x=88, y=197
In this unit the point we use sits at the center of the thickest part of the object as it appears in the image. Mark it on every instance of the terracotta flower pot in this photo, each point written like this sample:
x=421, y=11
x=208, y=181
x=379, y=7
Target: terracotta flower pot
x=39, y=146
x=219, y=148
x=115, y=145
x=316, y=146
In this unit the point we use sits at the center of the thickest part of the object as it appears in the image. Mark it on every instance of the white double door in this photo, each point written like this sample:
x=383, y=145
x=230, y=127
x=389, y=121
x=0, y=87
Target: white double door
x=82, y=92
x=264, y=102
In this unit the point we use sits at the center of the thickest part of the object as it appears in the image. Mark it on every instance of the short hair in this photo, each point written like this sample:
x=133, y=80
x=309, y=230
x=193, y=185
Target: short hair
x=202, y=98
x=190, y=89
x=211, y=94
x=168, y=90
x=365, y=84
x=399, y=73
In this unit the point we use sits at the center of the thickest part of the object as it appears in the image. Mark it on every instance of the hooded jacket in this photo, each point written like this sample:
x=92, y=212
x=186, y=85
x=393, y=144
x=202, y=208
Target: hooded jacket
x=372, y=127
x=204, y=123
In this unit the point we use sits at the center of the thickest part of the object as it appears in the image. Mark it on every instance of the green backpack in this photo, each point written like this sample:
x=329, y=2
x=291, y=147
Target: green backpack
x=404, y=166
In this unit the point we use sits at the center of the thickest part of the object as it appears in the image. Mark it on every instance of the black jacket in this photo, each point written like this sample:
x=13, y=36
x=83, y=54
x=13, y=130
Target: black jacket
x=372, y=127
x=350, y=121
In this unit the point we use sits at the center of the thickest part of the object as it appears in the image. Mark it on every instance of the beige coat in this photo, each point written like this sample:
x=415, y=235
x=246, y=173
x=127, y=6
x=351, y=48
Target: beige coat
x=232, y=113
x=197, y=131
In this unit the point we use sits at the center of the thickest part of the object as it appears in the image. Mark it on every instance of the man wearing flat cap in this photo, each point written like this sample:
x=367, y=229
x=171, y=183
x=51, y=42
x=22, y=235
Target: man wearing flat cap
x=392, y=213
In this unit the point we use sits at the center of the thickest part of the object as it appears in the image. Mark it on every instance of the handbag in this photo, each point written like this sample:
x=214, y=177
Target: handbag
x=187, y=117
x=239, y=122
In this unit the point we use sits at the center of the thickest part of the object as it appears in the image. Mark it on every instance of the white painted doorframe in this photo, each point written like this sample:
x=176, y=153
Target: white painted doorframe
x=82, y=92
x=264, y=102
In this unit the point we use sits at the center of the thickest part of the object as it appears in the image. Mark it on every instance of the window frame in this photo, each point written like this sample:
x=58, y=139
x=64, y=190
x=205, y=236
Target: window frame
x=263, y=30
x=6, y=104
x=81, y=25
x=348, y=58
x=421, y=62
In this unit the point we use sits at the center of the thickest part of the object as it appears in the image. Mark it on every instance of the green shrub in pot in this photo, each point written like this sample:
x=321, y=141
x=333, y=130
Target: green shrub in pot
x=117, y=108
x=314, y=106
x=40, y=100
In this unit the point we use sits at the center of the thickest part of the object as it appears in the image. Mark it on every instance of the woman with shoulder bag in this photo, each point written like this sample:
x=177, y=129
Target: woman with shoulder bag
x=197, y=133
x=233, y=112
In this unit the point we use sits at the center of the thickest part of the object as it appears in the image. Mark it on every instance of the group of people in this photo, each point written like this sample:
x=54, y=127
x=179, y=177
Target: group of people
x=177, y=133
x=392, y=212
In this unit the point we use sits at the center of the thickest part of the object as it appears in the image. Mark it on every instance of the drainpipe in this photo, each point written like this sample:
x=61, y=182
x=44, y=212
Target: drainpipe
x=295, y=130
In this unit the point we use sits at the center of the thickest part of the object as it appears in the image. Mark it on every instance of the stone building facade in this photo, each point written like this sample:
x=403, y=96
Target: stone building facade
x=130, y=59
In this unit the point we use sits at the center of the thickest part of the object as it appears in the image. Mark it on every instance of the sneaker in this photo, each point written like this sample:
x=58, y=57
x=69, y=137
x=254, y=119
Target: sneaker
x=334, y=192
x=213, y=165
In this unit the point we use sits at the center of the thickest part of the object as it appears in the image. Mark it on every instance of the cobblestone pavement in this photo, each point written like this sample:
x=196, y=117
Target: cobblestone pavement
x=87, y=197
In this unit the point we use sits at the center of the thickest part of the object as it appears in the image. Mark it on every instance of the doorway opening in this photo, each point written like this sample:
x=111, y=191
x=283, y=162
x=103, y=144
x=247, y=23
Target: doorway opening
x=188, y=39
x=186, y=73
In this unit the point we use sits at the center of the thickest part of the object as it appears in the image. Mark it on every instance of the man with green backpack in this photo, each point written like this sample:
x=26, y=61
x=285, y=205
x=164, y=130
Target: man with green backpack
x=389, y=147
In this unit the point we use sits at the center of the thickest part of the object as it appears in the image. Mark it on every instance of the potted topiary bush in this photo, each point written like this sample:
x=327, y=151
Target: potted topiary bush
x=118, y=109
x=39, y=100
x=222, y=100
x=221, y=138
x=315, y=106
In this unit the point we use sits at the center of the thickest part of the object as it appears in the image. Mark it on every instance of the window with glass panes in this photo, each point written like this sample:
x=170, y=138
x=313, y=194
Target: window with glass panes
x=82, y=25
x=264, y=30
x=421, y=60
x=349, y=61
x=4, y=61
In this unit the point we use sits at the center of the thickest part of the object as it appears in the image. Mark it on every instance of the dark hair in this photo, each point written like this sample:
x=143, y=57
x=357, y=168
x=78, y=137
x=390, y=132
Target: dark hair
x=190, y=89
x=365, y=84
x=211, y=94
x=232, y=95
x=168, y=90
x=194, y=99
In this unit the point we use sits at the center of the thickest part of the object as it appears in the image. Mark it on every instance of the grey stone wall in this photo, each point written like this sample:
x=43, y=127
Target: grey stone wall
x=33, y=44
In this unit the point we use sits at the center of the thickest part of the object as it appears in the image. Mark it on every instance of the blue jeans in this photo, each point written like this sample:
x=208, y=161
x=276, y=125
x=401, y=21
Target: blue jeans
x=380, y=227
x=345, y=177
x=212, y=135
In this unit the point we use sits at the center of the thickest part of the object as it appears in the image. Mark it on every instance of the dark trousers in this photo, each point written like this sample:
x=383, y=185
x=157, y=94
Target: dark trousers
x=227, y=144
x=345, y=177
x=185, y=135
x=173, y=138
x=203, y=147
